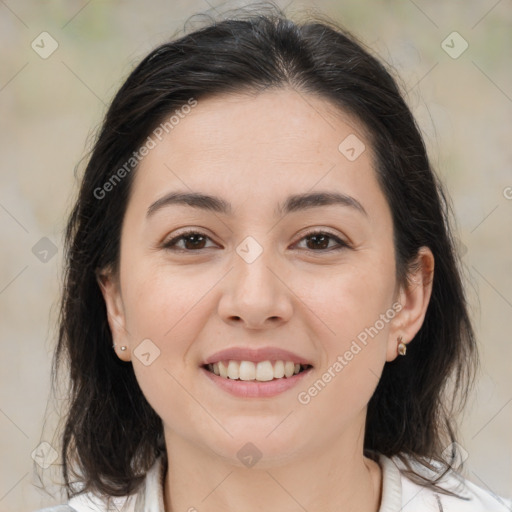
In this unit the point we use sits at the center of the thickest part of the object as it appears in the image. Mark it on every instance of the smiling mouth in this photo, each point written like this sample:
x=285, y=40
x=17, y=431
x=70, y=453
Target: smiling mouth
x=262, y=371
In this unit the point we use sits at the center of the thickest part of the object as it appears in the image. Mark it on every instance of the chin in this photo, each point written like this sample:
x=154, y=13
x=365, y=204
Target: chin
x=251, y=446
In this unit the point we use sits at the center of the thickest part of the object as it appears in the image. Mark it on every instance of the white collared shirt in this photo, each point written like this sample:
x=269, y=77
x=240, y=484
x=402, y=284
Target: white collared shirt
x=399, y=494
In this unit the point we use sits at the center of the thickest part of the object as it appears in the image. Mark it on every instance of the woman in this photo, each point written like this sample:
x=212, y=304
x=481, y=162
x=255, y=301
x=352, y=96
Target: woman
x=263, y=308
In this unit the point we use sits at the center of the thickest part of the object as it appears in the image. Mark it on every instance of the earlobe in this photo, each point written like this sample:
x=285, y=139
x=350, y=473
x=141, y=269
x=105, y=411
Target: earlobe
x=414, y=297
x=110, y=289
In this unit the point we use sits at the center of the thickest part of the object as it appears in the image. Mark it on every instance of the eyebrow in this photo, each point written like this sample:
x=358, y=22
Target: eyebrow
x=293, y=203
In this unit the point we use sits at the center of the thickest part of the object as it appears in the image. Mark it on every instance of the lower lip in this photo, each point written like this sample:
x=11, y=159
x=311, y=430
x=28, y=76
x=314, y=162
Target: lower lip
x=255, y=389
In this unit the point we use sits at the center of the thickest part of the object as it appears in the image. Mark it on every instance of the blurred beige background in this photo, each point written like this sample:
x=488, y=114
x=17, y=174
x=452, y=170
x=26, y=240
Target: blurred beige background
x=50, y=107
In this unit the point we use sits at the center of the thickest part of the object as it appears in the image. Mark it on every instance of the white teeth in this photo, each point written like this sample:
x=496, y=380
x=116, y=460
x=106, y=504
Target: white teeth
x=279, y=370
x=223, y=370
x=264, y=371
x=289, y=369
x=233, y=370
x=247, y=370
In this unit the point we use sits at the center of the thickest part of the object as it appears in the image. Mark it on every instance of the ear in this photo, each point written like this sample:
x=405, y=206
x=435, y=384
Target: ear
x=414, y=297
x=110, y=288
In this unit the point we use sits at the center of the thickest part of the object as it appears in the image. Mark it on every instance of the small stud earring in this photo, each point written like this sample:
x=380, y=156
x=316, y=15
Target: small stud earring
x=402, y=347
x=123, y=348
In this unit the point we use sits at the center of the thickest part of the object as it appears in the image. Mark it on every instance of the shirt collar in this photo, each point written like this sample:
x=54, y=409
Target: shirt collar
x=150, y=499
x=391, y=498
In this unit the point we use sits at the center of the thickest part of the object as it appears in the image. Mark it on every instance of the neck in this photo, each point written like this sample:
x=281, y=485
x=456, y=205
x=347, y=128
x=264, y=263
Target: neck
x=337, y=478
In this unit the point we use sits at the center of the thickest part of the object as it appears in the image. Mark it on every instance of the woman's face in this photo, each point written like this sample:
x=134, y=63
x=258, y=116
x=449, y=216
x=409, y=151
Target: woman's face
x=252, y=279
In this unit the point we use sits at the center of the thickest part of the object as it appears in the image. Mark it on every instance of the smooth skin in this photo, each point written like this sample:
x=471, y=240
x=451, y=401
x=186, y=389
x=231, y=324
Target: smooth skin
x=254, y=151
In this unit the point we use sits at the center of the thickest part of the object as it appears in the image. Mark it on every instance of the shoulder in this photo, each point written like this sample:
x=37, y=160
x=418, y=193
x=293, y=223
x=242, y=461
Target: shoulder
x=89, y=502
x=57, y=508
x=472, y=497
x=149, y=494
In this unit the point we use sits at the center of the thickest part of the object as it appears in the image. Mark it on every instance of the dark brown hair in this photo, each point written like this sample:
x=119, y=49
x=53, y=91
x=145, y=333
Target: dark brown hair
x=111, y=435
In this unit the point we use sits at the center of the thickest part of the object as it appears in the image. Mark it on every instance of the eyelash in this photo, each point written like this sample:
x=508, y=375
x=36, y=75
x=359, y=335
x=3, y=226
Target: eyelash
x=171, y=243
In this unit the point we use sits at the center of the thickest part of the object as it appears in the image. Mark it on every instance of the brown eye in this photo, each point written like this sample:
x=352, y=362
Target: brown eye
x=192, y=240
x=318, y=241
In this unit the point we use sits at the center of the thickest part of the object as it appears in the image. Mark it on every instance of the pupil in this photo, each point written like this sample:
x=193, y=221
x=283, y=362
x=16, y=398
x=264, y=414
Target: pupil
x=324, y=237
x=196, y=243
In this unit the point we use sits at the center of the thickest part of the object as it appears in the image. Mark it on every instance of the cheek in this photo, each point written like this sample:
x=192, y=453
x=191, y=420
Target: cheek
x=355, y=306
x=358, y=312
x=165, y=307
x=159, y=302
x=352, y=298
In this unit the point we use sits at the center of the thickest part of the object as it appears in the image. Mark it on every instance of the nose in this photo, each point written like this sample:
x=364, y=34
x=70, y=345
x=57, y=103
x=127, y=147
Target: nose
x=256, y=294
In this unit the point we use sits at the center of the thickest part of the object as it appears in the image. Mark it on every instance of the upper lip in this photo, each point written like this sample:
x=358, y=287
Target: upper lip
x=255, y=355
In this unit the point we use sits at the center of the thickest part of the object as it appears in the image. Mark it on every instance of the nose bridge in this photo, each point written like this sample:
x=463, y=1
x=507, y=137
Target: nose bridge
x=252, y=263
x=255, y=291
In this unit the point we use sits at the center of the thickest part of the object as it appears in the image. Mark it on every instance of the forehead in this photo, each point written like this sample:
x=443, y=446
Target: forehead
x=258, y=146
x=281, y=122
